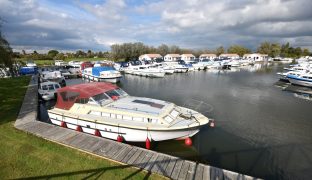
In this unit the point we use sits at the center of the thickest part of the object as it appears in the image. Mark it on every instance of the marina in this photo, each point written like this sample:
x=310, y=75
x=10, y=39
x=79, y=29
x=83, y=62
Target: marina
x=147, y=160
x=254, y=118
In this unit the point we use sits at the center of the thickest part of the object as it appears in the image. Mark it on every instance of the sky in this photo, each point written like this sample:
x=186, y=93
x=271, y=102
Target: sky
x=71, y=25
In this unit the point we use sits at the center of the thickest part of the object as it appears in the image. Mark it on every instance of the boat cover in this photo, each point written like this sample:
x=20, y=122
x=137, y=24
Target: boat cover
x=97, y=70
x=67, y=96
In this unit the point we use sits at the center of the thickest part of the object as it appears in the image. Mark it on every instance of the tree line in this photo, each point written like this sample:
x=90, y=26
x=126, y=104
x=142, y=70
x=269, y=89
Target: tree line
x=130, y=51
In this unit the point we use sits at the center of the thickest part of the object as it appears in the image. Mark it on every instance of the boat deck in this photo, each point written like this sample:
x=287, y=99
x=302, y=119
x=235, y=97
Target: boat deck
x=151, y=161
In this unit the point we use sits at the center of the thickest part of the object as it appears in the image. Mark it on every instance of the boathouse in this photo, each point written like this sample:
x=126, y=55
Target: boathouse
x=256, y=57
x=207, y=56
x=172, y=57
x=187, y=57
x=150, y=57
x=231, y=56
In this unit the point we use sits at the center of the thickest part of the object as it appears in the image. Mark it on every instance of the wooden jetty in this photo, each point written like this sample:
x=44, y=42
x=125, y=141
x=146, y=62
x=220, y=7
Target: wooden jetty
x=151, y=161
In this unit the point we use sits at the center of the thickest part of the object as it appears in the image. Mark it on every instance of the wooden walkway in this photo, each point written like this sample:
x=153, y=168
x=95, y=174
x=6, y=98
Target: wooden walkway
x=155, y=162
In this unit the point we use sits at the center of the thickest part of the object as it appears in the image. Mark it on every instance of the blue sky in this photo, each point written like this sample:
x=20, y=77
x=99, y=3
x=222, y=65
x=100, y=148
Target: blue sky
x=197, y=24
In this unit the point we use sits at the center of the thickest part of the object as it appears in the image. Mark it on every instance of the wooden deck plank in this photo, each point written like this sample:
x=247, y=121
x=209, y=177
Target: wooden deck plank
x=145, y=160
x=177, y=168
x=123, y=153
x=170, y=166
x=149, y=165
x=156, y=165
x=134, y=157
x=191, y=171
x=129, y=155
x=103, y=150
x=140, y=158
x=114, y=151
x=184, y=170
x=97, y=146
x=199, y=172
x=206, y=172
x=216, y=173
x=163, y=165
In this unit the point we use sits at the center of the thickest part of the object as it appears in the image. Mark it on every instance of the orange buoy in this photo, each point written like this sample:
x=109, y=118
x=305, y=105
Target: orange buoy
x=119, y=138
x=188, y=141
x=97, y=133
x=212, y=123
x=63, y=124
x=78, y=128
x=147, y=143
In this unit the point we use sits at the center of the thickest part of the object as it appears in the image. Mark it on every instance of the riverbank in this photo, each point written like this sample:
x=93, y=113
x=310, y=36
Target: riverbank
x=24, y=155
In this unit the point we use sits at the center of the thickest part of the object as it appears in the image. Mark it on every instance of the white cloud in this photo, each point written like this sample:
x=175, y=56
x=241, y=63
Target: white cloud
x=186, y=23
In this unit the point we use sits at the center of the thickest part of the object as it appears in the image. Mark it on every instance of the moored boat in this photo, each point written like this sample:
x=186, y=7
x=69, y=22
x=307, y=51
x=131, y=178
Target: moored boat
x=106, y=110
x=102, y=73
x=304, y=79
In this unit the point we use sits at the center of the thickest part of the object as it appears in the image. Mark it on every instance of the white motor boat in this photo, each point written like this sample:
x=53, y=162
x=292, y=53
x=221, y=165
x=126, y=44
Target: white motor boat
x=197, y=66
x=106, y=110
x=31, y=64
x=304, y=79
x=60, y=63
x=234, y=63
x=47, y=90
x=102, y=73
x=283, y=75
x=75, y=64
x=52, y=75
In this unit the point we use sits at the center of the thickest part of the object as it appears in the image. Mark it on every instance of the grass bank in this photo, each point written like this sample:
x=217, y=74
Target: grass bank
x=24, y=155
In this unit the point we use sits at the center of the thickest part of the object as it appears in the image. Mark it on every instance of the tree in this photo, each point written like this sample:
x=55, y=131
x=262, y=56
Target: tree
x=285, y=50
x=6, y=53
x=220, y=50
x=275, y=50
x=237, y=49
x=264, y=48
x=60, y=56
x=163, y=50
x=305, y=52
x=52, y=53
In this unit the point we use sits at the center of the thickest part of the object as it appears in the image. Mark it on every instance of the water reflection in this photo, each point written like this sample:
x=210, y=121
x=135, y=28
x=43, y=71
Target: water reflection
x=261, y=130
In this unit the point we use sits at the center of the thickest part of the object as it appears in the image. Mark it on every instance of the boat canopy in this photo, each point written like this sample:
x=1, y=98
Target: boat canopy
x=67, y=96
x=97, y=70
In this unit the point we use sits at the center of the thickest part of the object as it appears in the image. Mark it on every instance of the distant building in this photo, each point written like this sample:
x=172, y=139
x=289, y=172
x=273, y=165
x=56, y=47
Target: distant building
x=232, y=56
x=150, y=57
x=172, y=57
x=256, y=57
x=207, y=56
x=187, y=57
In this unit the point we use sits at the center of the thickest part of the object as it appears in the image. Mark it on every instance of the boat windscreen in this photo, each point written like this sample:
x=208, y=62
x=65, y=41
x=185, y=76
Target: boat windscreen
x=112, y=93
x=100, y=97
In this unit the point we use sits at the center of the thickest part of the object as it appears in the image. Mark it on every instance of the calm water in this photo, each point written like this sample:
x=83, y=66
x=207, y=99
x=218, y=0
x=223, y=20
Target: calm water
x=261, y=130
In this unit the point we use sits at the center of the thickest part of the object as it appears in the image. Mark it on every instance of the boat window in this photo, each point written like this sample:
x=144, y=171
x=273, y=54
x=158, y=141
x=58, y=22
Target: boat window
x=137, y=119
x=51, y=87
x=174, y=113
x=100, y=97
x=121, y=92
x=119, y=116
x=95, y=113
x=113, y=116
x=56, y=86
x=168, y=119
x=44, y=87
x=127, y=117
x=112, y=93
x=82, y=100
x=105, y=114
x=154, y=120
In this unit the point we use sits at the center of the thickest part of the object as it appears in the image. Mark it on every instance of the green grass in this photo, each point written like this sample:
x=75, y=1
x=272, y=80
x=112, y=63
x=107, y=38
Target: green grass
x=24, y=155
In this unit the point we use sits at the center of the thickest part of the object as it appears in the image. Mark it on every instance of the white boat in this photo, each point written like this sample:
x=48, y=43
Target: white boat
x=102, y=73
x=106, y=110
x=47, y=90
x=60, y=63
x=283, y=75
x=197, y=66
x=304, y=79
x=52, y=75
x=234, y=63
x=31, y=64
x=75, y=64
x=167, y=68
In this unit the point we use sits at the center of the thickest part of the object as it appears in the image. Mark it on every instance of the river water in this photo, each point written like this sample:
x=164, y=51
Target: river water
x=261, y=129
